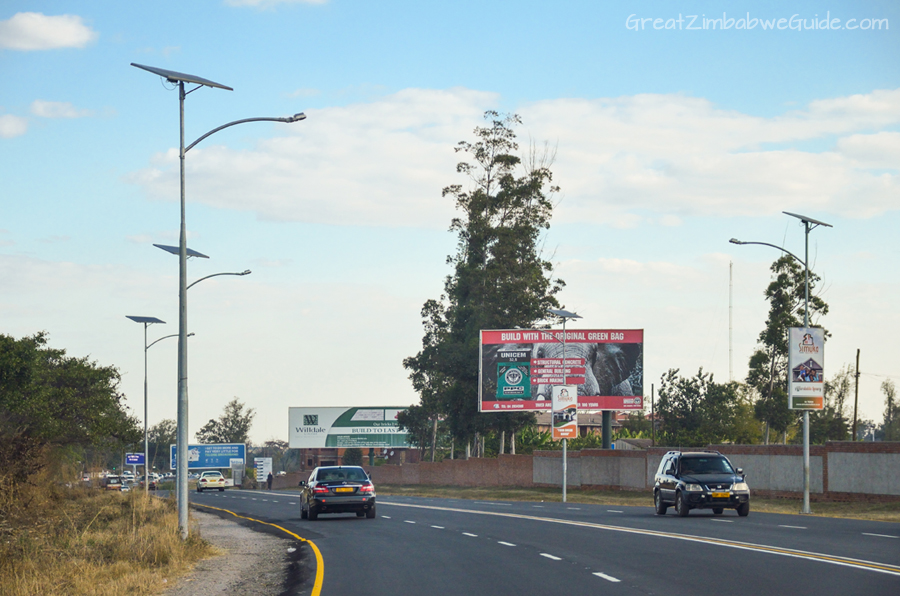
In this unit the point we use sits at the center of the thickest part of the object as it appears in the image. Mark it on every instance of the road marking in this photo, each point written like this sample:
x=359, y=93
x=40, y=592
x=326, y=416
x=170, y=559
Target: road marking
x=472, y=535
x=886, y=568
x=291, y=503
x=614, y=511
x=608, y=577
x=406, y=521
x=492, y=503
x=723, y=521
x=550, y=557
x=538, y=506
x=274, y=501
x=574, y=508
x=794, y=527
x=438, y=527
x=880, y=535
x=386, y=516
x=320, y=562
x=505, y=543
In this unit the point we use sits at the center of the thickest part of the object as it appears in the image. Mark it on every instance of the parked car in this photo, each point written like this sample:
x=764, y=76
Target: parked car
x=700, y=480
x=337, y=489
x=211, y=479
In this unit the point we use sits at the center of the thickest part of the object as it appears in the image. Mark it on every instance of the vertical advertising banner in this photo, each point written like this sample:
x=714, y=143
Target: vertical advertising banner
x=518, y=368
x=565, y=412
x=806, y=368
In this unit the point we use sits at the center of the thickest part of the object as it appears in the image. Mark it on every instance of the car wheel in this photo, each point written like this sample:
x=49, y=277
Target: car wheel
x=360, y=513
x=718, y=510
x=370, y=514
x=313, y=514
x=199, y=490
x=681, y=508
x=302, y=512
x=221, y=490
x=661, y=507
x=744, y=509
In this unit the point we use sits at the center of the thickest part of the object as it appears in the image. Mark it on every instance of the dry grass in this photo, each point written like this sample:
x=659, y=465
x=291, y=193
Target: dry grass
x=889, y=512
x=75, y=541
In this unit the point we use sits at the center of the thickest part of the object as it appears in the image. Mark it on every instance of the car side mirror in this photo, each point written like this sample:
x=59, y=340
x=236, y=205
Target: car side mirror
x=740, y=471
x=302, y=483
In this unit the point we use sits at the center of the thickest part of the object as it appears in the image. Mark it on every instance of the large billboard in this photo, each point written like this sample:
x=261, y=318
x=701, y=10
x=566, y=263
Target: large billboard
x=519, y=367
x=211, y=457
x=310, y=428
x=806, y=364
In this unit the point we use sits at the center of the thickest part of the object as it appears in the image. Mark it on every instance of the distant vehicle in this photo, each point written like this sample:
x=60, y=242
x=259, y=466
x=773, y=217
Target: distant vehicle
x=337, y=489
x=700, y=480
x=111, y=482
x=126, y=486
x=210, y=480
x=152, y=484
x=281, y=473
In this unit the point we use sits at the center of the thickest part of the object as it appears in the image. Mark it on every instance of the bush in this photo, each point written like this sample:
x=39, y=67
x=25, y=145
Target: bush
x=352, y=457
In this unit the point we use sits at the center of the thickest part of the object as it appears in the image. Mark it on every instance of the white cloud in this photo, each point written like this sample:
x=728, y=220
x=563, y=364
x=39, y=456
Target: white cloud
x=12, y=126
x=620, y=161
x=35, y=31
x=56, y=109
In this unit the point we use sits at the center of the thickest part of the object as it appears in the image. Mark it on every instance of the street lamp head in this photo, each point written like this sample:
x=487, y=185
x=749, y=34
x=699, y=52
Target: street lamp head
x=296, y=117
x=245, y=272
x=735, y=241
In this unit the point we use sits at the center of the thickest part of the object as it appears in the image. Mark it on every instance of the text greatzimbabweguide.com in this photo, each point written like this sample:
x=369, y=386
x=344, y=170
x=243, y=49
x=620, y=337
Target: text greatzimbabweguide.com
x=693, y=22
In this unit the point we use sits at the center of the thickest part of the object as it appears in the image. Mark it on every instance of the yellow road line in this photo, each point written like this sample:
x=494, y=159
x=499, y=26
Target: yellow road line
x=835, y=560
x=320, y=563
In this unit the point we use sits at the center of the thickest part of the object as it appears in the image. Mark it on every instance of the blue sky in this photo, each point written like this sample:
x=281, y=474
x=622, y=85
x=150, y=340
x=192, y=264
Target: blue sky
x=667, y=143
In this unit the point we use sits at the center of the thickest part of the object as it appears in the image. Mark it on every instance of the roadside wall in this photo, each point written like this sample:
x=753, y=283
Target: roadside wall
x=838, y=470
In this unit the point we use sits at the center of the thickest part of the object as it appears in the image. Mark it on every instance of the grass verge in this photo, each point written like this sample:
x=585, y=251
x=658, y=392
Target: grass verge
x=888, y=512
x=79, y=541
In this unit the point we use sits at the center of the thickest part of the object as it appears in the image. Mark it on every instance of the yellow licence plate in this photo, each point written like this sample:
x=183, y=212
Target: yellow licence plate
x=345, y=489
x=720, y=495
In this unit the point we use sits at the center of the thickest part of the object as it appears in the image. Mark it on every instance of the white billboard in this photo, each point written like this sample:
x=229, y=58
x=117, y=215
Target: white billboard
x=311, y=428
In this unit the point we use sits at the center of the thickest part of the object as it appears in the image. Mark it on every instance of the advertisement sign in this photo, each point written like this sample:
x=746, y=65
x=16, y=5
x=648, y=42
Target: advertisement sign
x=263, y=468
x=311, y=428
x=518, y=368
x=134, y=459
x=806, y=368
x=208, y=457
x=565, y=412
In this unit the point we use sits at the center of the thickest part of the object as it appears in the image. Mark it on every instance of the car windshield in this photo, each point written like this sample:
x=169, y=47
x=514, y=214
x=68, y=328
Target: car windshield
x=705, y=465
x=340, y=474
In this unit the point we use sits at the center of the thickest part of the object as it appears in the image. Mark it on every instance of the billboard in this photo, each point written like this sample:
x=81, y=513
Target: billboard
x=519, y=367
x=806, y=368
x=565, y=412
x=311, y=428
x=134, y=459
x=209, y=457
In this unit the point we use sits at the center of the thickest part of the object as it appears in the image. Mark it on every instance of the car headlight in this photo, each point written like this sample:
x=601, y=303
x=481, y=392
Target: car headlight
x=694, y=488
x=741, y=486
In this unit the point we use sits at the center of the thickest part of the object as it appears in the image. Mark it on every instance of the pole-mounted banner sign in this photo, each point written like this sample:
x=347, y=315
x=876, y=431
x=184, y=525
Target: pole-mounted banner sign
x=565, y=412
x=806, y=368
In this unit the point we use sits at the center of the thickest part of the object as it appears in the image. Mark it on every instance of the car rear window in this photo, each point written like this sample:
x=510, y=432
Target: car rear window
x=340, y=474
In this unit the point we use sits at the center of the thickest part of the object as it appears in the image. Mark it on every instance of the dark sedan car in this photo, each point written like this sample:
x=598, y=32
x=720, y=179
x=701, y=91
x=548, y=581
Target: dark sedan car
x=337, y=489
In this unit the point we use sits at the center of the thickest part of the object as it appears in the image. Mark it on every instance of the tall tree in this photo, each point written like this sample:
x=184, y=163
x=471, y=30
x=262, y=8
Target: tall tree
x=831, y=422
x=891, y=425
x=768, y=364
x=233, y=426
x=159, y=438
x=499, y=280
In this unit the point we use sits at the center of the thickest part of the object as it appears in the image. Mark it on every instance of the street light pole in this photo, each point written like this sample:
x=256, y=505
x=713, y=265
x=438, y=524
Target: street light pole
x=181, y=482
x=564, y=315
x=806, y=226
x=147, y=321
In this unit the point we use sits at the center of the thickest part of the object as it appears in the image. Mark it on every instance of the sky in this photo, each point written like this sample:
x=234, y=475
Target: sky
x=674, y=127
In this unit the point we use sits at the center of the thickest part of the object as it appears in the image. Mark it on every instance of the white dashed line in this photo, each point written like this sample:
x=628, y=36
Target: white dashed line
x=724, y=521
x=406, y=521
x=472, y=535
x=274, y=501
x=880, y=535
x=505, y=543
x=574, y=508
x=551, y=557
x=614, y=511
x=438, y=527
x=386, y=516
x=291, y=503
x=608, y=578
x=538, y=506
x=794, y=527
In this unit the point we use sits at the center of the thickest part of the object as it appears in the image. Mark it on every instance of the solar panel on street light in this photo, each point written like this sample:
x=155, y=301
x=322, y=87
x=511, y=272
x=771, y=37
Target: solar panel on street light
x=174, y=250
x=173, y=77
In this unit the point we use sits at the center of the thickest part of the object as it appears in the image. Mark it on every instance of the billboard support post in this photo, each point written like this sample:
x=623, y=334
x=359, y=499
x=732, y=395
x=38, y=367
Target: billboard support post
x=565, y=316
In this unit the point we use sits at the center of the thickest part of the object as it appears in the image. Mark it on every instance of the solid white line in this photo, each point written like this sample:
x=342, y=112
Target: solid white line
x=607, y=577
x=438, y=527
x=472, y=535
x=551, y=557
x=505, y=543
x=794, y=527
x=880, y=535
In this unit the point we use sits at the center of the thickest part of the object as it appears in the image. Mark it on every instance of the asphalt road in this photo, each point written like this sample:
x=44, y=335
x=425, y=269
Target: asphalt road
x=455, y=547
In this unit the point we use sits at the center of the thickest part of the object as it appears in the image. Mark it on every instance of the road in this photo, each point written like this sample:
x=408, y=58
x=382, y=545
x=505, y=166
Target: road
x=455, y=547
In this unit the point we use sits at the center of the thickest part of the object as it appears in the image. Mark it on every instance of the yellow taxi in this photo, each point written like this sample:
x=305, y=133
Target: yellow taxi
x=209, y=480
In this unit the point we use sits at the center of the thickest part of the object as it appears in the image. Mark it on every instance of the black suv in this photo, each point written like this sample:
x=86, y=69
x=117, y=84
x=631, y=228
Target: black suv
x=699, y=480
